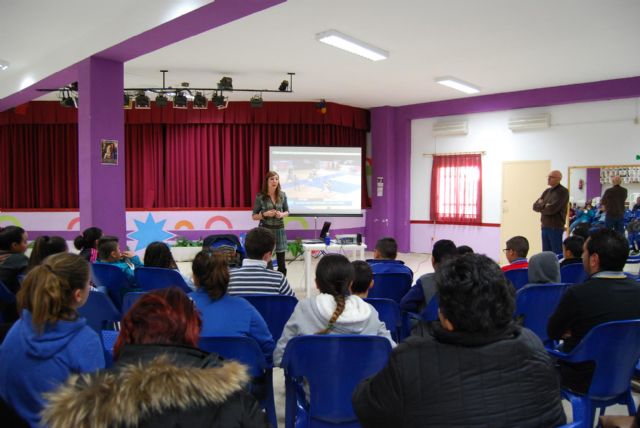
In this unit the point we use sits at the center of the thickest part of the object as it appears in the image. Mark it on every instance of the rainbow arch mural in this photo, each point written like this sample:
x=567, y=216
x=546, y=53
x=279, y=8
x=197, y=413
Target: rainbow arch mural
x=218, y=218
x=11, y=219
x=301, y=220
x=186, y=224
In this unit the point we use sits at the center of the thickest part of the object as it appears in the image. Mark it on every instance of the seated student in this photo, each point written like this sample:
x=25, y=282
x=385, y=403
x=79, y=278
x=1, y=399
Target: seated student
x=572, y=250
x=109, y=252
x=13, y=244
x=418, y=297
x=222, y=314
x=50, y=341
x=158, y=254
x=363, y=279
x=333, y=310
x=475, y=367
x=516, y=251
x=87, y=243
x=464, y=249
x=608, y=295
x=160, y=377
x=44, y=246
x=254, y=277
x=544, y=268
x=384, y=258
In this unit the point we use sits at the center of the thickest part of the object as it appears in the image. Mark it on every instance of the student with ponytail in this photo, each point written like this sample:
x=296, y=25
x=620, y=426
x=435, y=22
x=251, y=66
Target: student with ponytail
x=333, y=311
x=50, y=341
x=87, y=243
x=44, y=246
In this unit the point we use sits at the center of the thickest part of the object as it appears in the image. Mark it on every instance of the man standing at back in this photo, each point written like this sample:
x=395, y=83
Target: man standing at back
x=613, y=201
x=254, y=277
x=552, y=206
x=608, y=295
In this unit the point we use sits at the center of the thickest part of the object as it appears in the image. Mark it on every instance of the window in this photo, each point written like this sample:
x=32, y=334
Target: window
x=456, y=189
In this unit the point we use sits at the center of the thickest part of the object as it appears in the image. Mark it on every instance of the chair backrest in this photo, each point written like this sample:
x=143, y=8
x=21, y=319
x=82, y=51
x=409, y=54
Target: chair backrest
x=129, y=299
x=536, y=303
x=333, y=365
x=240, y=348
x=518, y=277
x=573, y=273
x=390, y=286
x=430, y=312
x=225, y=242
x=615, y=349
x=275, y=309
x=6, y=295
x=111, y=278
x=98, y=310
x=153, y=278
x=108, y=338
x=389, y=313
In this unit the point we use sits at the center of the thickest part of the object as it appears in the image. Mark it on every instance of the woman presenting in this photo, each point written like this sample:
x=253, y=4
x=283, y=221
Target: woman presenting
x=271, y=208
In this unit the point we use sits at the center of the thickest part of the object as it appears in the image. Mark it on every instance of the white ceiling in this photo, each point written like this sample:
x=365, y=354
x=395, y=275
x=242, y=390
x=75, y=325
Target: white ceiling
x=498, y=45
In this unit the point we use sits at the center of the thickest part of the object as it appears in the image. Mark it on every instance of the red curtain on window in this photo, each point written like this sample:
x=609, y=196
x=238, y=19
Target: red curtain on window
x=39, y=166
x=456, y=189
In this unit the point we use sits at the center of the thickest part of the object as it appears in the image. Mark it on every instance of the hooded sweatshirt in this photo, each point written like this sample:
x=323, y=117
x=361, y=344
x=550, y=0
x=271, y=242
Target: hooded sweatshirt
x=33, y=363
x=544, y=268
x=312, y=315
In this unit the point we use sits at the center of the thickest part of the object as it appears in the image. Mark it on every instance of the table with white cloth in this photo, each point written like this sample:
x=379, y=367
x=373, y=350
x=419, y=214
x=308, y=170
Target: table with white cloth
x=356, y=252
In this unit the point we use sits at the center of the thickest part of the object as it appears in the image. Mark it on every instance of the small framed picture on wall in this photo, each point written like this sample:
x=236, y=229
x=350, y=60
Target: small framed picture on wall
x=109, y=152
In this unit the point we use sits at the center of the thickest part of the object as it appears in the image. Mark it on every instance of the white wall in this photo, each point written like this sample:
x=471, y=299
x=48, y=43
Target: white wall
x=598, y=133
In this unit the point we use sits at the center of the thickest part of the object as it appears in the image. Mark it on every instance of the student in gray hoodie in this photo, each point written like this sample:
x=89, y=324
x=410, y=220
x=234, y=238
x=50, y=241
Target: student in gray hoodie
x=544, y=268
x=333, y=311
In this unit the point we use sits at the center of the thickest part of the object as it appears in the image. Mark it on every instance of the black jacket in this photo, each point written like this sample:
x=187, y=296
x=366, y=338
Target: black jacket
x=454, y=379
x=158, y=386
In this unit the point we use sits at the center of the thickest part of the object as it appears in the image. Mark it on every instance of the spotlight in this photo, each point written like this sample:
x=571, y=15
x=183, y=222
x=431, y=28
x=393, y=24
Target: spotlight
x=321, y=106
x=162, y=101
x=283, y=86
x=200, y=101
x=226, y=83
x=128, y=102
x=142, y=101
x=179, y=100
x=220, y=101
x=67, y=101
x=256, y=101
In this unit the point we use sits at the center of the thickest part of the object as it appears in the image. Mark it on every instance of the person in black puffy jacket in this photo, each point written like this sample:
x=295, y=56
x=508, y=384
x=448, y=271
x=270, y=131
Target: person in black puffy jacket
x=473, y=367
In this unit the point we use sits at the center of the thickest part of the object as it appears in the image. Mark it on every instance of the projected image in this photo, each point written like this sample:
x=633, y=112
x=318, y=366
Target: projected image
x=322, y=181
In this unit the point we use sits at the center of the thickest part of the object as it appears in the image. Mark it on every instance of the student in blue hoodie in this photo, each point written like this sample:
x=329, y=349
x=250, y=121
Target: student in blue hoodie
x=50, y=340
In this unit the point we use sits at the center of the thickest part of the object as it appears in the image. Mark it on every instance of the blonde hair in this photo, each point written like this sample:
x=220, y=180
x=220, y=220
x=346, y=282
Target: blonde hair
x=47, y=291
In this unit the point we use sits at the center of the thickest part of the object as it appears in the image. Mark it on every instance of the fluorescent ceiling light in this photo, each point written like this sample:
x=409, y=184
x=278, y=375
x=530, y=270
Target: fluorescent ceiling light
x=3, y=65
x=349, y=44
x=458, y=84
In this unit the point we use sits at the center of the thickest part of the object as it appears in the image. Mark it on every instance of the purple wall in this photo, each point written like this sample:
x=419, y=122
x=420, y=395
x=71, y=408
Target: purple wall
x=594, y=187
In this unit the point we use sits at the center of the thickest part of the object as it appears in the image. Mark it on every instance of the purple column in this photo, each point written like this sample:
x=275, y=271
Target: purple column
x=594, y=187
x=389, y=213
x=101, y=117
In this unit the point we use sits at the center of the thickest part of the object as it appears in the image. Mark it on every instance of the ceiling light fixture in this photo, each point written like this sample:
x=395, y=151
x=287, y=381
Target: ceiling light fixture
x=458, y=84
x=220, y=101
x=180, y=100
x=200, y=101
x=67, y=100
x=256, y=101
x=142, y=100
x=342, y=41
x=128, y=101
x=4, y=64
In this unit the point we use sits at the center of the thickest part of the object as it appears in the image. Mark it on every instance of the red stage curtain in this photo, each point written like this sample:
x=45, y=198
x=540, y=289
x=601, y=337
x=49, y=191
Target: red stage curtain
x=456, y=189
x=39, y=166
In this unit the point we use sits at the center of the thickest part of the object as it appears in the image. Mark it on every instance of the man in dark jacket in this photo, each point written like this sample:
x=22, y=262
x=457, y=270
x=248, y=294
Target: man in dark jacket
x=613, y=201
x=552, y=206
x=608, y=295
x=474, y=367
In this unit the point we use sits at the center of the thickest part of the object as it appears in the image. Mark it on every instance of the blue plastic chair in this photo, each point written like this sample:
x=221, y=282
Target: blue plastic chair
x=100, y=312
x=535, y=303
x=389, y=313
x=129, y=299
x=275, y=310
x=112, y=279
x=247, y=351
x=573, y=274
x=108, y=338
x=332, y=365
x=9, y=303
x=615, y=349
x=390, y=286
x=518, y=277
x=152, y=278
x=430, y=313
x=6, y=295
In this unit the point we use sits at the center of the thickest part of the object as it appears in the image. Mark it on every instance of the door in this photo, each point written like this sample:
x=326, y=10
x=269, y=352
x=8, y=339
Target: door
x=522, y=183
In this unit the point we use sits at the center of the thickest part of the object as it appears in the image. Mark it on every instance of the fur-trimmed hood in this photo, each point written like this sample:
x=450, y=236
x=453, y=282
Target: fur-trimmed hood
x=125, y=397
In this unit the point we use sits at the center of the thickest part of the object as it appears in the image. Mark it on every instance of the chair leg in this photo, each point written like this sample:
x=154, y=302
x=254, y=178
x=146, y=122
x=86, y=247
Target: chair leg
x=583, y=410
x=270, y=405
x=631, y=405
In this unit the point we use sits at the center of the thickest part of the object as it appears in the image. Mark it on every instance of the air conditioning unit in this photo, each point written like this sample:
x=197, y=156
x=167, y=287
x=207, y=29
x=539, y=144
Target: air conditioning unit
x=450, y=127
x=530, y=122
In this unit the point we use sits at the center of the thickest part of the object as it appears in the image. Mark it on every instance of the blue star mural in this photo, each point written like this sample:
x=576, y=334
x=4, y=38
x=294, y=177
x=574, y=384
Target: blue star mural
x=149, y=231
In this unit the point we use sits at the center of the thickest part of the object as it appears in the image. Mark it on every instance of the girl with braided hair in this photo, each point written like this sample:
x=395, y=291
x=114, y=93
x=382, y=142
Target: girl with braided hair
x=334, y=310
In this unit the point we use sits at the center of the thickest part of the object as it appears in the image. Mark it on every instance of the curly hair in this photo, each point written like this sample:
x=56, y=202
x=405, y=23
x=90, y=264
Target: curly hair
x=474, y=294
